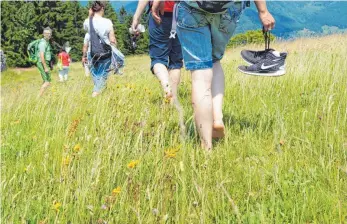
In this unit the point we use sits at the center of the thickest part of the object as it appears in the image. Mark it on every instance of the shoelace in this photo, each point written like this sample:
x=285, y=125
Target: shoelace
x=258, y=54
x=267, y=38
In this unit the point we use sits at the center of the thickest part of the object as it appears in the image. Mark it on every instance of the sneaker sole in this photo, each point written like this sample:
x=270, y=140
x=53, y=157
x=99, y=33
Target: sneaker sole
x=272, y=74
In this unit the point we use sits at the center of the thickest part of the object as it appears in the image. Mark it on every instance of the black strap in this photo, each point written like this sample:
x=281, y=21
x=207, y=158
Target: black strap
x=91, y=28
x=149, y=8
x=92, y=34
x=267, y=39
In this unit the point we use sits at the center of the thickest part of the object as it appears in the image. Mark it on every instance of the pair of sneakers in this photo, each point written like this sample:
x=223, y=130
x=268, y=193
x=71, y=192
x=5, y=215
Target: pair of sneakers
x=264, y=63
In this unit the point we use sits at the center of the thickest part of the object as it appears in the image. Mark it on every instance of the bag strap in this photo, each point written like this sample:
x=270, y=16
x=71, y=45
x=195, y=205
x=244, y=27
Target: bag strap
x=149, y=8
x=91, y=28
x=173, y=31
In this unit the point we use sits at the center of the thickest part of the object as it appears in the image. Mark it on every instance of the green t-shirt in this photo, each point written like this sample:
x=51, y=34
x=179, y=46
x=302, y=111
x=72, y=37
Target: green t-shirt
x=211, y=6
x=45, y=47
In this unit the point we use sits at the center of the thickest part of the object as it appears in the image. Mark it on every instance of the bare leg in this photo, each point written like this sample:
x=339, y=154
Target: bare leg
x=44, y=86
x=175, y=75
x=61, y=78
x=162, y=74
x=218, y=87
x=86, y=70
x=202, y=104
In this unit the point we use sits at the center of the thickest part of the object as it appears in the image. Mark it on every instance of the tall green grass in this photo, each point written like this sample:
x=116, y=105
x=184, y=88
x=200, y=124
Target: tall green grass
x=119, y=158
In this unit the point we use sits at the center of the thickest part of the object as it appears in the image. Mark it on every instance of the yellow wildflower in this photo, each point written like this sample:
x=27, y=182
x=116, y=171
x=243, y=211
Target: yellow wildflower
x=116, y=191
x=133, y=163
x=26, y=169
x=171, y=153
x=66, y=161
x=34, y=137
x=167, y=100
x=44, y=221
x=16, y=122
x=56, y=206
x=77, y=148
x=73, y=127
x=282, y=142
x=130, y=86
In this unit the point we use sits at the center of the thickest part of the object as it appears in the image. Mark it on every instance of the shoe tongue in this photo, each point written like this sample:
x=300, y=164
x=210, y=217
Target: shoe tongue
x=276, y=53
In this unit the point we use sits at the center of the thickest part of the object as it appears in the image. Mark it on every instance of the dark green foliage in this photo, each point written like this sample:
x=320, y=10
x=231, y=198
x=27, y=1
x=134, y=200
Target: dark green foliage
x=24, y=21
x=124, y=38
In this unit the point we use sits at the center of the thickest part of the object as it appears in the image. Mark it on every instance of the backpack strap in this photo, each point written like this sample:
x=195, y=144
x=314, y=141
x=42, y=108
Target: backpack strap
x=91, y=27
x=173, y=31
x=149, y=8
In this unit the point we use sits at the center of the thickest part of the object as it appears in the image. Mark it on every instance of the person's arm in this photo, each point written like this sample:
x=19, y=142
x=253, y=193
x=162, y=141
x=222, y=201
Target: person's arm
x=111, y=35
x=264, y=15
x=137, y=16
x=42, y=49
x=85, y=48
x=157, y=10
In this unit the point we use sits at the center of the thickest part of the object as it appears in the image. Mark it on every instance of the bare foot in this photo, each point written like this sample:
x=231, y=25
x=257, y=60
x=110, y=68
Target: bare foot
x=168, y=97
x=95, y=94
x=218, y=130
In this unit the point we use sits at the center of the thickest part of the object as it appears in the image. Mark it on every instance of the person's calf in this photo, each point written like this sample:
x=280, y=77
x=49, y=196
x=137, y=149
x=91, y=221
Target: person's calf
x=218, y=88
x=175, y=76
x=202, y=105
x=162, y=74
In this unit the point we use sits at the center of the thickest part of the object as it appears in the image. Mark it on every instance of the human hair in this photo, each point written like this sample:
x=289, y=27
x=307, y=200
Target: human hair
x=47, y=29
x=97, y=6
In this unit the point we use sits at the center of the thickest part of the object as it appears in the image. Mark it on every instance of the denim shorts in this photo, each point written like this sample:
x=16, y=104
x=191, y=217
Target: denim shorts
x=64, y=71
x=204, y=36
x=100, y=73
x=162, y=49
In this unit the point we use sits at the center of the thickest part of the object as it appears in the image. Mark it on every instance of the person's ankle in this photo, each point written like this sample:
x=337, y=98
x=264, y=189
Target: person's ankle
x=207, y=147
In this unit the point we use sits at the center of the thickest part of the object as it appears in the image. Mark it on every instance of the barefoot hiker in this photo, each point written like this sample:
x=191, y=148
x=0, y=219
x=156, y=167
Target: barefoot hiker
x=101, y=36
x=39, y=52
x=165, y=52
x=204, y=29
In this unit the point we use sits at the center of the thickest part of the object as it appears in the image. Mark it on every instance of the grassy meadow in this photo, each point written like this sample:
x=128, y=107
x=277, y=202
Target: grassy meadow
x=123, y=158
